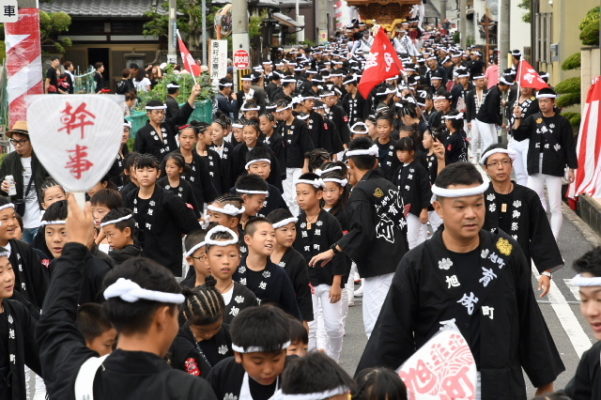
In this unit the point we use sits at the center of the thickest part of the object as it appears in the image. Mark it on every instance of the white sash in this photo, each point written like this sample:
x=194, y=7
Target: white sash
x=84, y=383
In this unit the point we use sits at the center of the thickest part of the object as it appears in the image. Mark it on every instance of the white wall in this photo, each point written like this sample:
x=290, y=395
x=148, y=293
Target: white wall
x=520, y=30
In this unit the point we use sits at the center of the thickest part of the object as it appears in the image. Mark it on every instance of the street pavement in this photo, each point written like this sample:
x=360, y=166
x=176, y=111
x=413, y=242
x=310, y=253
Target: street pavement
x=560, y=309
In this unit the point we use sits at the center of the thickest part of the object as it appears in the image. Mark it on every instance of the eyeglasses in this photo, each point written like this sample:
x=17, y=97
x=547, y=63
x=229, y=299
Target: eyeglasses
x=15, y=142
x=200, y=258
x=495, y=164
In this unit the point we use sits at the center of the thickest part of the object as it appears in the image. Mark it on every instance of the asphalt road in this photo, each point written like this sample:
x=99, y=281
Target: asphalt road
x=560, y=309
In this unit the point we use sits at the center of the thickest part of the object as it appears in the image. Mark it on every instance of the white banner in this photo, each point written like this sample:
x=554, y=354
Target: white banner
x=217, y=59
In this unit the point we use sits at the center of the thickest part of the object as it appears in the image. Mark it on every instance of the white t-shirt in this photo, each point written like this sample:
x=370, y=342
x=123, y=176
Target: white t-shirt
x=227, y=296
x=143, y=85
x=33, y=212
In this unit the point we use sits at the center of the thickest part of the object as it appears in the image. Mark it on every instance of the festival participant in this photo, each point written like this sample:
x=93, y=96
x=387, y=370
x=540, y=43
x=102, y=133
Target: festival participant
x=586, y=383
x=473, y=101
x=142, y=301
x=258, y=162
x=260, y=337
x=227, y=101
x=551, y=150
x=388, y=161
x=353, y=104
x=379, y=383
x=98, y=332
x=517, y=211
x=377, y=238
x=266, y=280
x=119, y=227
x=116, y=172
x=528, y=104
x=330, y=138
x=454, y=141
x=222, y=147
x=157, y=137
x=195, y=248
x=270, y=136
x=102, y=202
x=174, y=168
x=478, y=280
x=299, y=339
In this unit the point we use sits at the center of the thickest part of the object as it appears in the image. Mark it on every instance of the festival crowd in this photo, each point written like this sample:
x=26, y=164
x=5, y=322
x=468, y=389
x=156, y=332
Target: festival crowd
x=215, y=258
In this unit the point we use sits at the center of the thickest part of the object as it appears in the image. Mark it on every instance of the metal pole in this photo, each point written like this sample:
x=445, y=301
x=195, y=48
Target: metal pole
x=205, y=61
x=462, y=22
x=240, y=39
x=171, y=54
x=503, y=30
x=321, y=20
x=443, y=10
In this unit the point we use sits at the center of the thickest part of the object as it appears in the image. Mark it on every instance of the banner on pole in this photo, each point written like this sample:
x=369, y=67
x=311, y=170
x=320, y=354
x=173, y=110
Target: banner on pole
x=218, y=59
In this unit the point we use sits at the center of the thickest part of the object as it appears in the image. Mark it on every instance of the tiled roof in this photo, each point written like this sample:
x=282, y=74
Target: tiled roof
x=101, y=8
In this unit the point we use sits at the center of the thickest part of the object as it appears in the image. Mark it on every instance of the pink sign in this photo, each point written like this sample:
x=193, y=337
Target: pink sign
x=442, y=369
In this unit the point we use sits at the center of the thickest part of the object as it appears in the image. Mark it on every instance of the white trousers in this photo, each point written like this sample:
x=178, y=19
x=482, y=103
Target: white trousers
x=487, y=134
x=416, y=231
x=289, y=194
x=520, y=160
x=331, y=315
x=375, y=290
x=538, y=183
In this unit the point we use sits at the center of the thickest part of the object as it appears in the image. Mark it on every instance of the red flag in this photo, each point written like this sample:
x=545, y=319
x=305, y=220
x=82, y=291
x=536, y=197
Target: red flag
x=189, y=62
x=382, y=63
x=528, y=77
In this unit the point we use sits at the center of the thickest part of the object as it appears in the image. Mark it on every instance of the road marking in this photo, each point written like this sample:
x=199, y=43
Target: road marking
x=573, y=289
x=568, y=320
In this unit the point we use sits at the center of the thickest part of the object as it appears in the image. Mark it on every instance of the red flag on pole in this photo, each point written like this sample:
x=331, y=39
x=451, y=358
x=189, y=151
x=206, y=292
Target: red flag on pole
x=382, y=63
x=528, y=77
x=189, y=62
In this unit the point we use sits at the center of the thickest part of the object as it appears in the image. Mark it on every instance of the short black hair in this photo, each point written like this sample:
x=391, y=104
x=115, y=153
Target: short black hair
x=107, y=197
x=178, y=159
x=405, y=144
x=459, y=173
x=257, y=153
x=193, y=238
x=315, y=372
x=385, y=115
x=279, y=214
x=589, y=262
x=136, y=317
x=48, y=183
x=365, y=162
x=409, y=128
x=379, y=383
x=121, y=212
x=317, y=157
x=56, y=212
x=265, y=327
x=491, y=147
x=146, y=161
x=130, y=160
x=4, y=201
x=251, y=182
x=173, y=90
x=457, y=124
x=92, y=321
x=204, y=304
x=298, y=333
x=310, y=176
x=251, y=226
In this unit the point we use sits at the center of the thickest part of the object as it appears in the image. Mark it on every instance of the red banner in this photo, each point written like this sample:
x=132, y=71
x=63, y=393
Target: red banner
x=24, y=61
x=382, y=63
x=529, y=78
x=187, y=58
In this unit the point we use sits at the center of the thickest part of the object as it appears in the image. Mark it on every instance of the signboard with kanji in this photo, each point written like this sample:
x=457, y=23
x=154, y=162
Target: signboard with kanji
x=9, y=11
x=76, y=137
x=241, y=59
x=217, y=59
x=442, y=369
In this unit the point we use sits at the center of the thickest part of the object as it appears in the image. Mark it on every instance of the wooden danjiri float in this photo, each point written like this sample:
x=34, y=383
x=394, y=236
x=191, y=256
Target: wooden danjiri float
x=386, y=13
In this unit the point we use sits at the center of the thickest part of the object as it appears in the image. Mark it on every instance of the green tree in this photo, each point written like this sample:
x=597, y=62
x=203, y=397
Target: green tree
x=589, y=27
x=526, y=4
x=51, y=25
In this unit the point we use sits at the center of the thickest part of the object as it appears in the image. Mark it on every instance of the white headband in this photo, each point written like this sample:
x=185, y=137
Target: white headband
x=284, y=222
x=248, y=164
x=237, y=125
x=505, y=81
x=163, y=107
x=256, y=349
x=227, y=84
x=244, y=108
x=439, y=98
x=318, y=183
x=217, y=229
x=129, y=291
x=245, y=191
x=194, y=248
x=127, y=125
x=462, y=192
x=8, y=205
x=372, y=151
x=359, y=128
x=278, y=109
x=326, y=394
x=546, y=96
x=55, y=222
x=490, y=152
x=341, y=182
x=334, y=168
x=479, y=77
x=172, y=86
x=228, y=209
x=114, y=221
x=580, y=280
x=456, y=116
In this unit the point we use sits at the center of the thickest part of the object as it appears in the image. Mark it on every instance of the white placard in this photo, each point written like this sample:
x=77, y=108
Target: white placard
x=218, y=59
x=76, y=137
x=9, y=11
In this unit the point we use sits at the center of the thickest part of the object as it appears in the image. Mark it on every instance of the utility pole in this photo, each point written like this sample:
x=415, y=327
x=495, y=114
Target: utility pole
x=443, y=10
x=321, y=20
x=240, y=39
x=171, y=32
x=462, y=23
x=205, y=60
x=503, y=30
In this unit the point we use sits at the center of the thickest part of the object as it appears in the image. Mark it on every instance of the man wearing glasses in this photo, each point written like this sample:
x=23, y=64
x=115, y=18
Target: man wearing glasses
x=518, y=211
x=28, y=176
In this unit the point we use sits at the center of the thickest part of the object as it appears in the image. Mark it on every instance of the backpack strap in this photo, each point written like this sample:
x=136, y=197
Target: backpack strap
x=84, y=383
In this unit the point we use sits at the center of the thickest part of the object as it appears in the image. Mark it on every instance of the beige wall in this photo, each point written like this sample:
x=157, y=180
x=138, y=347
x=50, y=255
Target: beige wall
x=590, y=68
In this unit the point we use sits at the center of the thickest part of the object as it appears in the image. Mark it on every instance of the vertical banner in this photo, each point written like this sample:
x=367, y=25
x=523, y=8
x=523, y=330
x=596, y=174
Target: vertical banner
x=217, y=59
x=23, y=61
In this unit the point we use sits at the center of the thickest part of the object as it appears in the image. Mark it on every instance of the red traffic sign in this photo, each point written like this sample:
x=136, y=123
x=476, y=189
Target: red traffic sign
x=241, y=59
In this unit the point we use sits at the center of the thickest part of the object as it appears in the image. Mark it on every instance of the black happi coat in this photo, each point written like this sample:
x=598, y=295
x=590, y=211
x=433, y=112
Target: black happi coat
x=357, y=108
x=160, y=230
x=295, y=265
x=553, y=138
x=119, y=256
x=276, y=144
x=490, y=110
x=148, y=141
x=389, y=162
x=274, y=200
x=219, y=176
x=330, y=137
x=242, y=298
x=586, y=383
x=471, y=103
x=197, y=358
x=320, y=237
x=184, y=191
x=413, y=183
x=31, y=276
x=455, y=148
x=297, y=142
x=24, y=348
x=239, y=163
x=124, y=374
x=504, y=326
x=377, y=237
x=528, y=107
x=338, y=116
x=201, y=180
x=521, y=215
x=225, y=164
x=271, y=286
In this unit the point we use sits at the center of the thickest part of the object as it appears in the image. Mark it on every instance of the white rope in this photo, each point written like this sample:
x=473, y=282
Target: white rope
x=228, y=209
x=129, y=291
x=217, y=229
x=114, y=221
x=372, y=151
